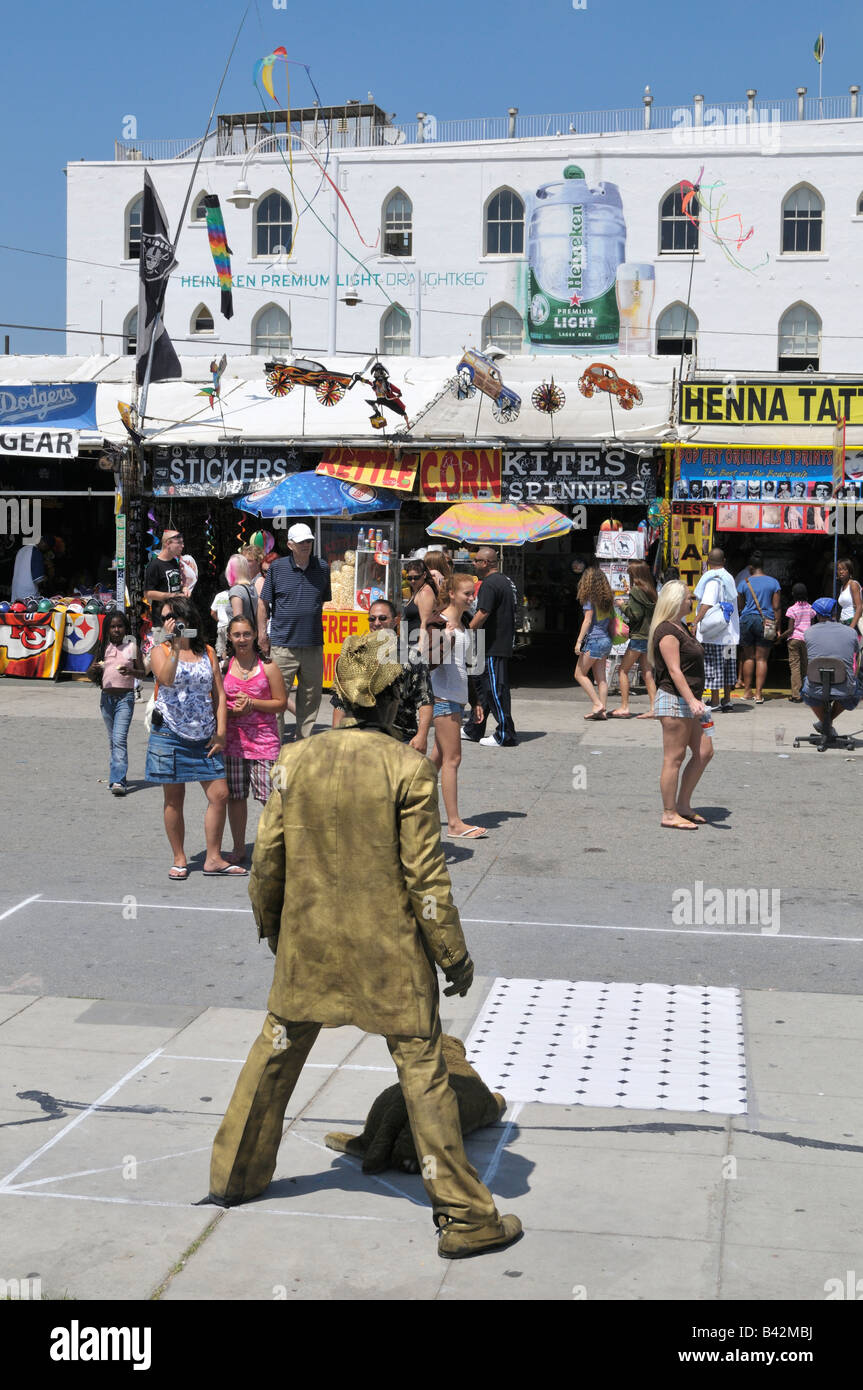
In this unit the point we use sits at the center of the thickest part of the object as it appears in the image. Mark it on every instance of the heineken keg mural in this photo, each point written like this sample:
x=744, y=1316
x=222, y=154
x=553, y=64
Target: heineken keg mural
x=580, y=292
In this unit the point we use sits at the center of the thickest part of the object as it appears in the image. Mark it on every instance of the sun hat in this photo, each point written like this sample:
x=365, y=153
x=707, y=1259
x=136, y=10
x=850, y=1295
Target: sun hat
x=364, y=668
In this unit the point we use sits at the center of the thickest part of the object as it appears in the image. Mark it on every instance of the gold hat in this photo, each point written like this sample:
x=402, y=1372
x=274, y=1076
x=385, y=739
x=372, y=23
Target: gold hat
x=365, y=669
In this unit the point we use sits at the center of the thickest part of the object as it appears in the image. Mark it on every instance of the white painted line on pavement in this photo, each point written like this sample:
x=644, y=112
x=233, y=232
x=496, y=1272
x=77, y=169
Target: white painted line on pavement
x=79, y=1119
x=399, y=1191
x=345, y=1066
x=672, y=931
x=154, y=907
x=18, y=906
x=489, y=922
x=246, y=1210
x=112, y=1168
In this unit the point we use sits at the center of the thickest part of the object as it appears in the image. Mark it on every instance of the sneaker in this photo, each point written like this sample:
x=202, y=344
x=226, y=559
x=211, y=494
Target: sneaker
x=457, y=1241
x=489, y=742
x=117, y=789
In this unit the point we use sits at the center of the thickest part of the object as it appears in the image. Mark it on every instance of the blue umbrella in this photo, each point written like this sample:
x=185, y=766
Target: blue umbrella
x=314, y=494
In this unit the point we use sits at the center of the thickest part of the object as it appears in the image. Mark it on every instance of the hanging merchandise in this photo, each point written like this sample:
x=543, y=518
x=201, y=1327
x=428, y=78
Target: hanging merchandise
x=152, y=531
x=214, y=392
x=221, y=252
x=386, y=395
x=702, y=204
x=548, y=398
x=264, y=540
x=600, y=377
x=189, y=571
x=129, y=416
x=210, y=544
x=476, y=372
x=329, y=386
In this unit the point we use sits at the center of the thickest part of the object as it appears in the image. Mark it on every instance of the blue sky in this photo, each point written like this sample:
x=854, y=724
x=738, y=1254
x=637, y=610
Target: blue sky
x=71, y=73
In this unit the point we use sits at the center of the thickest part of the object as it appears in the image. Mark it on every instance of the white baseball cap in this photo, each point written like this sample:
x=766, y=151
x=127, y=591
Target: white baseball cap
x=300, y=532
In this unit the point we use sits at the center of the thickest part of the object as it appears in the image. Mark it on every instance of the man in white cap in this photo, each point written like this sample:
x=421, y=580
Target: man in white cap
x=294, y=593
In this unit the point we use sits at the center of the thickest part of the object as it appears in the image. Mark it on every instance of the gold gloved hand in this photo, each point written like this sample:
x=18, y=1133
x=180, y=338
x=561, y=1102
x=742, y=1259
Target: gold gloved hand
x=459, y=977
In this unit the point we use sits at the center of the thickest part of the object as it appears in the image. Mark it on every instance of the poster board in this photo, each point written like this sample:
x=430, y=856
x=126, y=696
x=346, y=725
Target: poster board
x=31, y=644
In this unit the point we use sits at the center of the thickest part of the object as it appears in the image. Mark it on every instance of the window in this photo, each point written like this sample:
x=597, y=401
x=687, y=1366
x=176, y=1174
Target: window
x=273, y=225
x=398, y=225
x=200, y=212
x=504, y=224
x=676, y=232
x=860, y=206
x=503, y=327
x=675, y=331
x=271, y=332
x=133, y=230
x=802, y=221
x=395, y=332
x=130, y=334
x=799, y=339
x=202, y=320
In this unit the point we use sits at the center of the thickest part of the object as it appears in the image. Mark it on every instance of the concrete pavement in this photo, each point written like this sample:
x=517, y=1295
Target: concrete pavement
x=127, y=1008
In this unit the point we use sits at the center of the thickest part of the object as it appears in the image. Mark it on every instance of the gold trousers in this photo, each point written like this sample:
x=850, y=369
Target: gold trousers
x=247, y=1144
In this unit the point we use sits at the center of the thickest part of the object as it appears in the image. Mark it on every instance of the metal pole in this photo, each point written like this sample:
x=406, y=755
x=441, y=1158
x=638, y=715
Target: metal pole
x=334, y=263
x=418, y=328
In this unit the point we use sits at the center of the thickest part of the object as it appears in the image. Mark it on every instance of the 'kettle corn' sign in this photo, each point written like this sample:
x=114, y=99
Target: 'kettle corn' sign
x=770, y=403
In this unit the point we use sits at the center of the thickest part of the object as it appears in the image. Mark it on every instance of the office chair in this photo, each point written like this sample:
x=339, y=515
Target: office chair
x=831, y=671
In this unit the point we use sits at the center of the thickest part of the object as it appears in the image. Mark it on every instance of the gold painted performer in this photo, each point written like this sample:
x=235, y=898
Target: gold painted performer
x=350, y=889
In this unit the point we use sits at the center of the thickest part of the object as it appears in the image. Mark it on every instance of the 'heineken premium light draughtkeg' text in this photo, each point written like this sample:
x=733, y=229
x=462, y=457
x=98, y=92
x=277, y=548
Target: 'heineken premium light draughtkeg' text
x=576, y=241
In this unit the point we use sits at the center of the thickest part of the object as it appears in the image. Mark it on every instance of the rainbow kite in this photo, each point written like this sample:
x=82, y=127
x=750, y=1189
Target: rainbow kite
x=220, y=251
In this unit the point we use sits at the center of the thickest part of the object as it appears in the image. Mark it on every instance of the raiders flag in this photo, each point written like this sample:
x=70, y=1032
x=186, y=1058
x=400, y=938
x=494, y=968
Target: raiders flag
x=157, y=262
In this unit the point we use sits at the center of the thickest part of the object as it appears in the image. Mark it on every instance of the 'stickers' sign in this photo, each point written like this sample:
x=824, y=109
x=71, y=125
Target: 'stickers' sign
x=770, y=403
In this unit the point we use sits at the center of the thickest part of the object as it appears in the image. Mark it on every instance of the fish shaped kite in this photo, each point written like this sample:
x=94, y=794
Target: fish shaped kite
x=221, y=252
x=264, y=69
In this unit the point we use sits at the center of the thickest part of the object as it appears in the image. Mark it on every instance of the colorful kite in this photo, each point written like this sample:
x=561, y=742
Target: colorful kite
x=214, y=392
x=698, y=196
x=548, y=398
x=220, y=251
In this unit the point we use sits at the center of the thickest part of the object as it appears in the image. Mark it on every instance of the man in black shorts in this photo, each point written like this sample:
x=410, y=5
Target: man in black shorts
x=495, y=614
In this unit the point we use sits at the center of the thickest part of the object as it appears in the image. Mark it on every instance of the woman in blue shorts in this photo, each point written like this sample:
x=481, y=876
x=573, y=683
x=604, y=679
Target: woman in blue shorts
x=594, y=640
x=678, y=663
x=449, y=688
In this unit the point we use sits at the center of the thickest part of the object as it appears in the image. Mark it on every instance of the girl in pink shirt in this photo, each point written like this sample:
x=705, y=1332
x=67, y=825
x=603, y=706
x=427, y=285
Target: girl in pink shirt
x=117, y=664
x=255, y=692
x=799, y=616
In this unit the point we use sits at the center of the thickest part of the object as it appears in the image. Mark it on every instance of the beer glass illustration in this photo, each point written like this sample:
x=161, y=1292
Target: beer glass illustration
x=635, y=290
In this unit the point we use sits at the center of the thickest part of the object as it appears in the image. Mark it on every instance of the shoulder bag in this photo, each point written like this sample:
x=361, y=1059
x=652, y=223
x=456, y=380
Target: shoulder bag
x=769, y=624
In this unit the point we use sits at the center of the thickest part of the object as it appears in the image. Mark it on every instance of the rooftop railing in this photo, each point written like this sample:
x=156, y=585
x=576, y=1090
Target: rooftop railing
x=354, y=133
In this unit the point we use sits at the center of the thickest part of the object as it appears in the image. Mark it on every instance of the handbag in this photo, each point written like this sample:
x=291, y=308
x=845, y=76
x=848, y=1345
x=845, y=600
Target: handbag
x=714, y=624
x=769, y=624
x=618, y=629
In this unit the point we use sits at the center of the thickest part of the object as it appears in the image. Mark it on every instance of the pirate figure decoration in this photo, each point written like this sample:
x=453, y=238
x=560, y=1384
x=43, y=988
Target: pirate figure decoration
x=385, y=395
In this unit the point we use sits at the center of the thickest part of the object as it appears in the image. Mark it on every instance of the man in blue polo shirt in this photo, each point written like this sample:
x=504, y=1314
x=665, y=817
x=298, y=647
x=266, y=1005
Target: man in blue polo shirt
x=294, y=593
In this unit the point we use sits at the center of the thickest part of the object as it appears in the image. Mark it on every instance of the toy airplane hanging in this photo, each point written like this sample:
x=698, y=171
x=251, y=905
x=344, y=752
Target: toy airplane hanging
x=214, y=392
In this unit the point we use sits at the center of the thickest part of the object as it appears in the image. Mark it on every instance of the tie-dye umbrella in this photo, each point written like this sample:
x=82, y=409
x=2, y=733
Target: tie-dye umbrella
x=500, y=523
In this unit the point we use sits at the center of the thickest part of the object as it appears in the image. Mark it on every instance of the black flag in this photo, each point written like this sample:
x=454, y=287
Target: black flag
x=157, y=262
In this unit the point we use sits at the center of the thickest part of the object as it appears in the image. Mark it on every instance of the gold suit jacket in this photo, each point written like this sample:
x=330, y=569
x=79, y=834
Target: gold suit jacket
x=349, y=875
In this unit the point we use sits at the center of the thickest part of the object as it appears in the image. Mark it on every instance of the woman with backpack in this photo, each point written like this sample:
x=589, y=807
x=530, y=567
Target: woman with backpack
x=594, y=639
x=242, y=596
x=637, y=612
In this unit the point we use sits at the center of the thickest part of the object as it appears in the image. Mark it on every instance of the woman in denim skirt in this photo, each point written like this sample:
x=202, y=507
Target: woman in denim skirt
x=188, y=735
x=594, y=639
x=678, y=663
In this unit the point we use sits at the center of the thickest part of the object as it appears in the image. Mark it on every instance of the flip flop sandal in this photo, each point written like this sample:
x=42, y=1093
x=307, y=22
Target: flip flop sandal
x=694, y=817
x=473, y=832
x=178, y=873
x=691, y=826
x=229, y=871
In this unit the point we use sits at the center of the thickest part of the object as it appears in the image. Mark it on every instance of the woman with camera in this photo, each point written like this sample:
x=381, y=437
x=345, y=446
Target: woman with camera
x=188, y=735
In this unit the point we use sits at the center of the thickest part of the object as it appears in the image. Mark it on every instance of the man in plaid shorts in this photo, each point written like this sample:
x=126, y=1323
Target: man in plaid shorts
x=717, y=586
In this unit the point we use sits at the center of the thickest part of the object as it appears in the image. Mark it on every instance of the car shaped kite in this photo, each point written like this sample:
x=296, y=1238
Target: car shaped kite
x=329, y=386
x=475, y=372
x=600, y=377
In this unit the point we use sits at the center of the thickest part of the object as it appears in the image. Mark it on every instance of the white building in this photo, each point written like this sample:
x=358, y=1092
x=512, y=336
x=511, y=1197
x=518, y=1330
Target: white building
x=456, y=243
